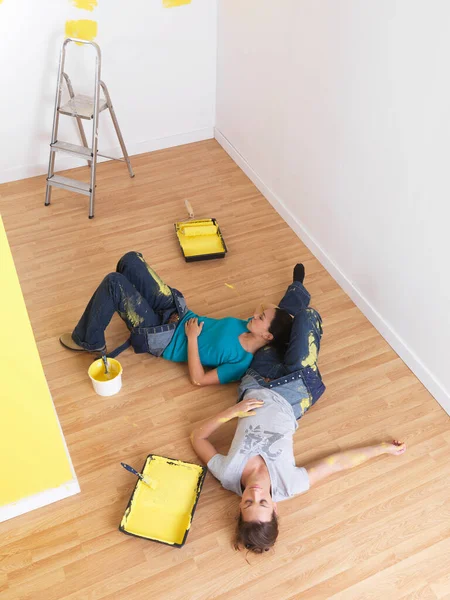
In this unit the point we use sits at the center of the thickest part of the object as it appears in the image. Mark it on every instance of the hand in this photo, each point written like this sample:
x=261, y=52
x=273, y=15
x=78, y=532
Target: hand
x=193, y=328
x=396, y=448
x=246, y=408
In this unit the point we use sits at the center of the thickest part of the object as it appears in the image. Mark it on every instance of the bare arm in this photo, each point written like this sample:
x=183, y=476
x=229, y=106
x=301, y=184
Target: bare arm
x=199, y=436
x=342, y=461
x=197, y=373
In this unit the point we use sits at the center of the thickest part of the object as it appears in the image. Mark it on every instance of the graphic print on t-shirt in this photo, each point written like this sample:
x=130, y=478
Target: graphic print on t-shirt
x=257, y=441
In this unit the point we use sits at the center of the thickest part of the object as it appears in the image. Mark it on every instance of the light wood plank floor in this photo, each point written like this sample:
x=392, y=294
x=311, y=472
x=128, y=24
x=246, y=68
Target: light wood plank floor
x=380, y=531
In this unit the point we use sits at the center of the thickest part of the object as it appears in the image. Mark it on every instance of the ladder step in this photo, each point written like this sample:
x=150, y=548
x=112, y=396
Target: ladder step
x=80, y=151
x=82, y=106
x=72, y=185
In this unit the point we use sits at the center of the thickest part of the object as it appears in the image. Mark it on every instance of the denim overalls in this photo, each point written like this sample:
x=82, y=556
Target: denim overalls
x=143, y=301
x=296, y=376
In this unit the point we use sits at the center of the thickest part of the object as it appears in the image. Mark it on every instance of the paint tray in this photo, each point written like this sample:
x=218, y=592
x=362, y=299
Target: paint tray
x=200, y=239
x=164, y=514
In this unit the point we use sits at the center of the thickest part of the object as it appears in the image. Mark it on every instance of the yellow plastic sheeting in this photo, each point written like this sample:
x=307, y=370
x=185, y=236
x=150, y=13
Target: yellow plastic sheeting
x=33, y=456
x=164, y=514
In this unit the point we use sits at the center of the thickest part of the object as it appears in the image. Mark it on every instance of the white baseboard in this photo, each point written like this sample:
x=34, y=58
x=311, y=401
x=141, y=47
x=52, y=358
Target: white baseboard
x=393, y=339
x=66, y=162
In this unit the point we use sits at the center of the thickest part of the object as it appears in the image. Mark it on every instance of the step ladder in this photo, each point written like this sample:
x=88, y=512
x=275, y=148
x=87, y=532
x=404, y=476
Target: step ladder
x=81, y=107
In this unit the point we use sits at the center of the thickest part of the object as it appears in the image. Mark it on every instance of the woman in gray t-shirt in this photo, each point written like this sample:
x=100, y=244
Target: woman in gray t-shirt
x=260, y=464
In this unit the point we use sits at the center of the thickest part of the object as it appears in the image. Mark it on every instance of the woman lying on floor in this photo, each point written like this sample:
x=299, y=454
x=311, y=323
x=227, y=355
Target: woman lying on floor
x=161, y=324
x=260, y=465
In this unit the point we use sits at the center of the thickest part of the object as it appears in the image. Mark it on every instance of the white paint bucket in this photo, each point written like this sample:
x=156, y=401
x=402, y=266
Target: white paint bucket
x=106, y=384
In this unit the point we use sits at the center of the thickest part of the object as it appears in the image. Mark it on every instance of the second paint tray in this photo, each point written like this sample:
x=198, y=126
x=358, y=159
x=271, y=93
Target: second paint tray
x=200, y=239
x=164, y=514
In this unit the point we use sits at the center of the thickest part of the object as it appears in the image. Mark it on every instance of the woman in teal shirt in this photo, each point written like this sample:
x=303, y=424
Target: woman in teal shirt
x=160, y=323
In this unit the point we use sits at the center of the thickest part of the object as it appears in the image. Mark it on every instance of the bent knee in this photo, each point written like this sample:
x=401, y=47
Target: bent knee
x=128, y=259
x=113, y=279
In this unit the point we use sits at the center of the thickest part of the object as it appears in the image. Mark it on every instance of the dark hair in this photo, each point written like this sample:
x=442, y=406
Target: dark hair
x=281, y=328
x=256, y=536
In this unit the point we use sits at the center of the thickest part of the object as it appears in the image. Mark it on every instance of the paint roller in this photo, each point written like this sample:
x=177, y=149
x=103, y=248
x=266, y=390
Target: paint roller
x=199, y=228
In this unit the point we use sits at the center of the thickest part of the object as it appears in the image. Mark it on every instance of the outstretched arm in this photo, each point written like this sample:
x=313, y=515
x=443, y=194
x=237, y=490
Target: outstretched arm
x=342, y=461
x=197, y=373
x=199, y=436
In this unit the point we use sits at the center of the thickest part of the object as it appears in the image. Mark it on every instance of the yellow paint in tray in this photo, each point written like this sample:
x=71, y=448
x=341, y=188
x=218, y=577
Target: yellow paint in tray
x=200, y=239
x=164, y=514
x=83, y=29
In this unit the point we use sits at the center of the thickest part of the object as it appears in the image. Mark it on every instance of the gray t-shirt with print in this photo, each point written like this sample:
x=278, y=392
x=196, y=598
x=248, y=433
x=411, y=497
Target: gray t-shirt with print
x=269, y=435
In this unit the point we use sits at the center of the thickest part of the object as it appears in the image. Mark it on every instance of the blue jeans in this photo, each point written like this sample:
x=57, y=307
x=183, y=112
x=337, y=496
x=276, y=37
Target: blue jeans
x=295, y=376
x=135, y=292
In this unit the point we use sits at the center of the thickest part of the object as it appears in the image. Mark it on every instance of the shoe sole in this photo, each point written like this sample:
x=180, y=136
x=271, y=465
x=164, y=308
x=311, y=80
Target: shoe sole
x=101, y=351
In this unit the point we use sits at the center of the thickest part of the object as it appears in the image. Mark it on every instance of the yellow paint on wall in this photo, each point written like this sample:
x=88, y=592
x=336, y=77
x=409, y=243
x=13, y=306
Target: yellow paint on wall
x=32, y=451
x=83, y=29
x=172, y=3
x=85, y=4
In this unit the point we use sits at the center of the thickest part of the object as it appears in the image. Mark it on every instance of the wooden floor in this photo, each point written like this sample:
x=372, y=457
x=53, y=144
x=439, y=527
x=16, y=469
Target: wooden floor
x=381, y=531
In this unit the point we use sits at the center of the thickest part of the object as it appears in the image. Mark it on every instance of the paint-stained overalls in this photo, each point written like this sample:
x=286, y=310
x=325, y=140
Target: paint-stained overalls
x=296, y=377
x=143, y=301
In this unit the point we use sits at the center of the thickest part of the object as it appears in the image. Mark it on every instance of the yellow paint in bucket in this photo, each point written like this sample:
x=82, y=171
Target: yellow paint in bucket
x=106, y=384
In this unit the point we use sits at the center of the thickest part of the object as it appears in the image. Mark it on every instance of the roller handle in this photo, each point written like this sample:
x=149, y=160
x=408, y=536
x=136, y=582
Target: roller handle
x=189, y=208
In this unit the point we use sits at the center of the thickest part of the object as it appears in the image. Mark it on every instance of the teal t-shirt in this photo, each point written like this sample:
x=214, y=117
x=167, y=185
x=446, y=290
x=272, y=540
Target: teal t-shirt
x=218, y=346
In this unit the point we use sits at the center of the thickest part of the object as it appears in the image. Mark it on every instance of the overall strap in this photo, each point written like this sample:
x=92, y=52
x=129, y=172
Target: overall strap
x=119, y=349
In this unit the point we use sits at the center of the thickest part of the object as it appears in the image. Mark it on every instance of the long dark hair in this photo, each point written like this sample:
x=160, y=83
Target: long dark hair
x=281, y=328
x=256, y=536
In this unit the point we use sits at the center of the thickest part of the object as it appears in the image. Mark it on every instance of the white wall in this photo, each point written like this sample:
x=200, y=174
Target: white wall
x=159, y=64
x=340, y=112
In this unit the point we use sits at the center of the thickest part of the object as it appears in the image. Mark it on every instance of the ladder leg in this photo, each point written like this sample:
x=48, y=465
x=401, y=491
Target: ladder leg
x=51, y=162
x=117, y=128
x=92, y=201
x=93, y=174
x=95, y=135
x=79, y=121
x=51, y=172
x=82, y=135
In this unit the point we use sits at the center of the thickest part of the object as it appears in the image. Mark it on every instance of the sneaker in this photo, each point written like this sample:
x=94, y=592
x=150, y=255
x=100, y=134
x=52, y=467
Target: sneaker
x=68, y=342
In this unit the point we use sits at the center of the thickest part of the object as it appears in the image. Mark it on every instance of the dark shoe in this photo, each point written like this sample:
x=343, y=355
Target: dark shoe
x=67, y=341
x=299, y=272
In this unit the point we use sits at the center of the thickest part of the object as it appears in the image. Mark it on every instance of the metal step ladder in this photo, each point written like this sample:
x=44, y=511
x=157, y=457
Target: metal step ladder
x=81, y=107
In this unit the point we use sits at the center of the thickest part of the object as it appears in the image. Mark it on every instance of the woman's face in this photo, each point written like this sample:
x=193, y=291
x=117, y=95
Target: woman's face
x=256, y=504
x=261, y=321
